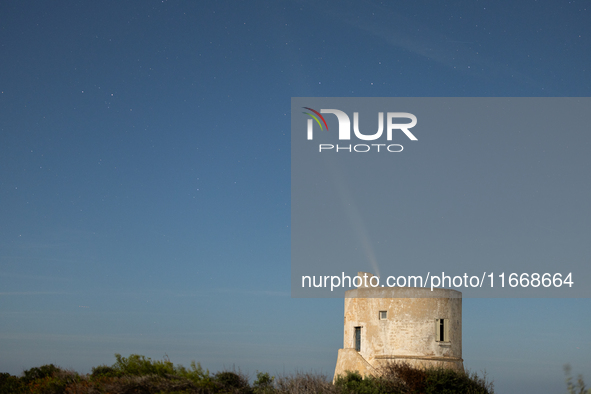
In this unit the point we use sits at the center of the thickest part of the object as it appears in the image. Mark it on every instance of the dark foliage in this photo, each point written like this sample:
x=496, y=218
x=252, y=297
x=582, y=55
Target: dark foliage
x=232, y=382
x=140, y=375
x=438, y=380
x=411, y=378
x=44, y=371
x=353, y=382
x=10, y=384
x=105, y=371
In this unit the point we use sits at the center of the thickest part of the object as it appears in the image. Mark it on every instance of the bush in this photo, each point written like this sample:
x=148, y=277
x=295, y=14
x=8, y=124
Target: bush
x=200, y=377
x=105, y=371
x=410, y=379
x=440, y=380
x=44, y=371
x=10, y=384
x=136, y=365
x=138, y=374
x=305, y=383
x=263, y=384
x=402, y=378
x=353, y=382
x=232, y=382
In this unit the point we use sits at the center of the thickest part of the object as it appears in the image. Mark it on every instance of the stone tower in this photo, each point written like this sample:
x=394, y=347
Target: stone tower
x=410, y=324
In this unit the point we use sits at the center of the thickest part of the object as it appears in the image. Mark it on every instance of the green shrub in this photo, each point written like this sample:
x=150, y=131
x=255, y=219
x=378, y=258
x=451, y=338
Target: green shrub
x=263, y=383
x=41, y=372
x=10, y=384
x=49, y=379
x=46, y=385
x=138, y=374
x=410, y=379
x=232, y=382
x=197, y=375
x=353, y=382
x=441, y=380
x=105, y=371
x=136, y=365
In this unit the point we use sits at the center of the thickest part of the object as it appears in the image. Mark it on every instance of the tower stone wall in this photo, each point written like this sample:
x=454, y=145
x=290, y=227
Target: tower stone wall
x=414, y=325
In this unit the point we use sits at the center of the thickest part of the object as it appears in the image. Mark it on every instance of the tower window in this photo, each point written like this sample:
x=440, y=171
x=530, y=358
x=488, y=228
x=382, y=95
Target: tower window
x=442, y=330
x=358, y=339
x=383, y=315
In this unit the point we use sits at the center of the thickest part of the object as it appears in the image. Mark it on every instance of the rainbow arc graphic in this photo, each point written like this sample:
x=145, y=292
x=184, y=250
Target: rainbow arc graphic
x=316, y=117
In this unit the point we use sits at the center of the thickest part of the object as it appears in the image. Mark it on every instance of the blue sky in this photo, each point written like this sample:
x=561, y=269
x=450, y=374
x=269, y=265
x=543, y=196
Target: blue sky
x=145, y=172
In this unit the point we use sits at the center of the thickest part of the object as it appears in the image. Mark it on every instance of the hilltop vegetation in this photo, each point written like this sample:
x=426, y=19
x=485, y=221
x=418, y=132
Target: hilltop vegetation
x=141, y=375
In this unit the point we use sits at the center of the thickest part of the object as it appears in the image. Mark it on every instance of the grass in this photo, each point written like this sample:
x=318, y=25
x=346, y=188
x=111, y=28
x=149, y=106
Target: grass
x=575, y=388
x=141, y=375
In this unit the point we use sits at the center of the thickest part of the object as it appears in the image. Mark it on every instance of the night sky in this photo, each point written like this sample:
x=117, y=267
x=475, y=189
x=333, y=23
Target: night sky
x=145, y=172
